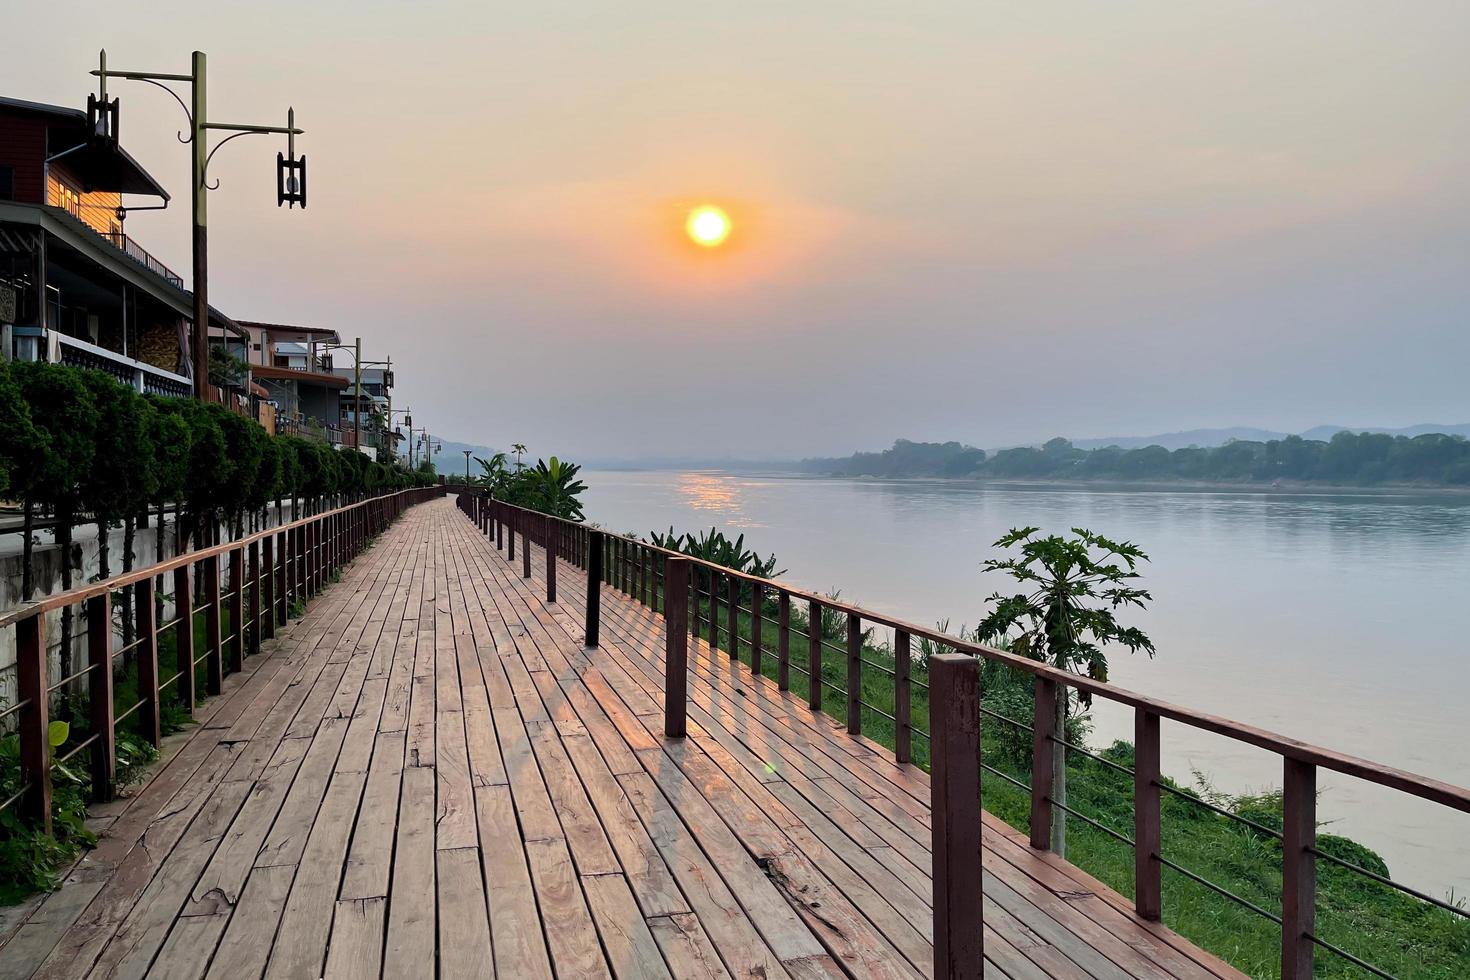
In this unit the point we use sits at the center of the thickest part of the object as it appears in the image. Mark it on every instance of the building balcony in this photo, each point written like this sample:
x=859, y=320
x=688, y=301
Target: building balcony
x=141, y=377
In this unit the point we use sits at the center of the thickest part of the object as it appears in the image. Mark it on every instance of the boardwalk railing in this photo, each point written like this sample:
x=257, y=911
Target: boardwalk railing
x=268, y=572
x=677, y=584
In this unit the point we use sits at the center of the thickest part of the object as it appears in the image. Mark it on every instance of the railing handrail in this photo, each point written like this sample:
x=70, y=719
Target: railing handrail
x=120, y=359
x=1424, y=787
x=85, y=592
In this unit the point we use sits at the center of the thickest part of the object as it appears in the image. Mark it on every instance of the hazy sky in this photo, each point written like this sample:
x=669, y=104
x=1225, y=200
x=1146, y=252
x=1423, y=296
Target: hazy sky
x=979, y=221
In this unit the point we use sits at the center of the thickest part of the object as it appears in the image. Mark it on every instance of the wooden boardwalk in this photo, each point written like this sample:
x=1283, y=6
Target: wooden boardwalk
x=429, y=775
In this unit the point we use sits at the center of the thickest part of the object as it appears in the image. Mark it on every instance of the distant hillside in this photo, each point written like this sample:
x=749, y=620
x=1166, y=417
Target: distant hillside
x=1209, y=438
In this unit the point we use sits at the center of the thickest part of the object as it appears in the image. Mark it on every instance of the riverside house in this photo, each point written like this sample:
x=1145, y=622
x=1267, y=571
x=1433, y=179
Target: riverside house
x=76, y=287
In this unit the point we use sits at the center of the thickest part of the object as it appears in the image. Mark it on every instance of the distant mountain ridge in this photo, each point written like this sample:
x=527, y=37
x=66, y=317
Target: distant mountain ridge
x=1210, y=438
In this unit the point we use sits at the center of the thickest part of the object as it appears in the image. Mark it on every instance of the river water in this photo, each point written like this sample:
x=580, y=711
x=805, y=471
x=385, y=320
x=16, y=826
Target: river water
x=1331, y=618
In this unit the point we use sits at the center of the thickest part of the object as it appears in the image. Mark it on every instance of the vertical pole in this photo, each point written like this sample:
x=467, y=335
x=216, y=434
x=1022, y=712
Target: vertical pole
x=283, y=578
x=732, y=614
x=1298, y=868
x=237, y=610
x=35, y=719
x=714, y=609
x=99, y=694
x=214, y=668
x=1147, y=872
x=254, y=597
x=510, y=529
x=902, y=698
x=150, y=720
x=814, y=654
x=783, y=641
x=676, y=645
x=854, y=674
x=1044, y=729
x=954, y=787
x=757, y=599
x=527, y=526
x=184, y=637
x=200, y=352
x=594, y=587
x=550, y=528
x=268, y=586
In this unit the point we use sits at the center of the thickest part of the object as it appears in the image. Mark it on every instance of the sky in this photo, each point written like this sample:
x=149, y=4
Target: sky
x=992, y=222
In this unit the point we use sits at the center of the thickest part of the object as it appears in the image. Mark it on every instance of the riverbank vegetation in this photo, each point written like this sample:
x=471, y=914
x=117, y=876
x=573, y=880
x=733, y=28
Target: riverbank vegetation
x=1399, y=934
x=1348, y=459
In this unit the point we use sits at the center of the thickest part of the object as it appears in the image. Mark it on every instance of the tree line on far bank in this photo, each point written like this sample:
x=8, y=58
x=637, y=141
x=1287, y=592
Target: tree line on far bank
x=1349, y=458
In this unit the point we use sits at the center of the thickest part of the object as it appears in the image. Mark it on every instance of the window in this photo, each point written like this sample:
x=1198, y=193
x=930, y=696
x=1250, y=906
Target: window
x=7, y=183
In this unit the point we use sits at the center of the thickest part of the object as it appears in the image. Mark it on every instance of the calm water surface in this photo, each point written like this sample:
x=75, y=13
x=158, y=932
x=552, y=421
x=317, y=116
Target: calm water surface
x=1336, y=619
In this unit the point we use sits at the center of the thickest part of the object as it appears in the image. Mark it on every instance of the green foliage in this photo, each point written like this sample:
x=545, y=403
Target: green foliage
x=714, y=547
x=60, y=400
x=1350, y=458
x=1073, y=586
x=22, y=444
x=123, y=476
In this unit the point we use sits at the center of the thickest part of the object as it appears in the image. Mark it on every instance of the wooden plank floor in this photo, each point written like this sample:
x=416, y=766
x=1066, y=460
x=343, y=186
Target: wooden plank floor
x=429, y=775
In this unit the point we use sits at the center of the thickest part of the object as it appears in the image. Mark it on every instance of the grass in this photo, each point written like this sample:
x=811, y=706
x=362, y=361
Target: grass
x=1397, y=933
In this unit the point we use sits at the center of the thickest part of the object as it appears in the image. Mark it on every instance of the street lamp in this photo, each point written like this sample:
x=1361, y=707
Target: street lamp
x=466, y=466
x=290, y=177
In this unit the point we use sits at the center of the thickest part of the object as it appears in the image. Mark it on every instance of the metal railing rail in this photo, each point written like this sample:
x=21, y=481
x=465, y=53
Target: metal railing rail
x=687, y=590
x=269, y=571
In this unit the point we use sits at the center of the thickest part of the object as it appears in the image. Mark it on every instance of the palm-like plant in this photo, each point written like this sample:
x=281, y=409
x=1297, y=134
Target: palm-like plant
x=1065, y=617
x=494, y=470
x=519, y=449
x=555, y=488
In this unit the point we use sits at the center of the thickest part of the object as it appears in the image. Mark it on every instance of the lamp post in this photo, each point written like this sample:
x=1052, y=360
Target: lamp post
x=290, y=178
x=407, y=414
x=466, y=466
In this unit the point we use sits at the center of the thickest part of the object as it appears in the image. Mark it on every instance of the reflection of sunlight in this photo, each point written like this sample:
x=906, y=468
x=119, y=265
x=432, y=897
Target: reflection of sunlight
x=718, y=493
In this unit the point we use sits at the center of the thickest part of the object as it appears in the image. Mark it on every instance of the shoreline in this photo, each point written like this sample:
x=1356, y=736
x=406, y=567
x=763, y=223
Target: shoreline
x=1293, y=488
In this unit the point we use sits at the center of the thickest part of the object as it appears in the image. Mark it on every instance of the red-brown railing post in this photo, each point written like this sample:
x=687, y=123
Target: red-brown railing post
x=99, y=694
x=1147, y=844
x=783, y=641
x=757, y=598
x=732, y=614
x=237, y=610
x=510, y=535
x=594, y=588
x=714, y=609
x=268, y=587
x=902, y=698
x=676, y=645
x=814, y=654
x=35, y=719
x=1044, y=730
x=1298, y=868
x=184, y=637
x=526, y=531
x=283, y=579
x=550, y=535
x=254, y=597
x=150, y=715
x=954, y=786
x=854, y=674
x=214, y=667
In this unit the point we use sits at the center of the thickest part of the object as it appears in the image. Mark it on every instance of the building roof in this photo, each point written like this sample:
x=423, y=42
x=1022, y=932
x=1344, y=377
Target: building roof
x=261, y=371
x=106, y=165
x=290, y=332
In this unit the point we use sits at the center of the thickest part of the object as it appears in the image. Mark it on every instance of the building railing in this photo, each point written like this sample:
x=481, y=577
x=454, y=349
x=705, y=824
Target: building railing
x=676, y=585
x=268, y=573
x=141, y=377
x=143, y=257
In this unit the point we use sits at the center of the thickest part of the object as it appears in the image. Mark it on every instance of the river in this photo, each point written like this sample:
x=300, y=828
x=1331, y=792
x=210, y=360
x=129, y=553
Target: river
x=1329, y=617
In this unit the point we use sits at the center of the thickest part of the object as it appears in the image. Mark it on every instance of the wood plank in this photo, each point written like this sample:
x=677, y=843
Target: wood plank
x=356, y=951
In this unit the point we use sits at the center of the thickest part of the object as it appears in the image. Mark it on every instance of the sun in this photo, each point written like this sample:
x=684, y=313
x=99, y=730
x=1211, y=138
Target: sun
x=707, y=225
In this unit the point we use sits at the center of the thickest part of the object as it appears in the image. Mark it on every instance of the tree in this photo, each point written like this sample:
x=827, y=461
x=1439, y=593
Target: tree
x=23, y=450
x=494, y=470
x=60, y=402
x=1065, y=616
x=519, y=449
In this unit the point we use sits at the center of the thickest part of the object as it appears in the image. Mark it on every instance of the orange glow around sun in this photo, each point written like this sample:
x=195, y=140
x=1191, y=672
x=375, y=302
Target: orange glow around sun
x=708, y=226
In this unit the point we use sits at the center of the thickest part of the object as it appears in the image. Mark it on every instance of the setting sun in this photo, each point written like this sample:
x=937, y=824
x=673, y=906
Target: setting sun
x=708, y=226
